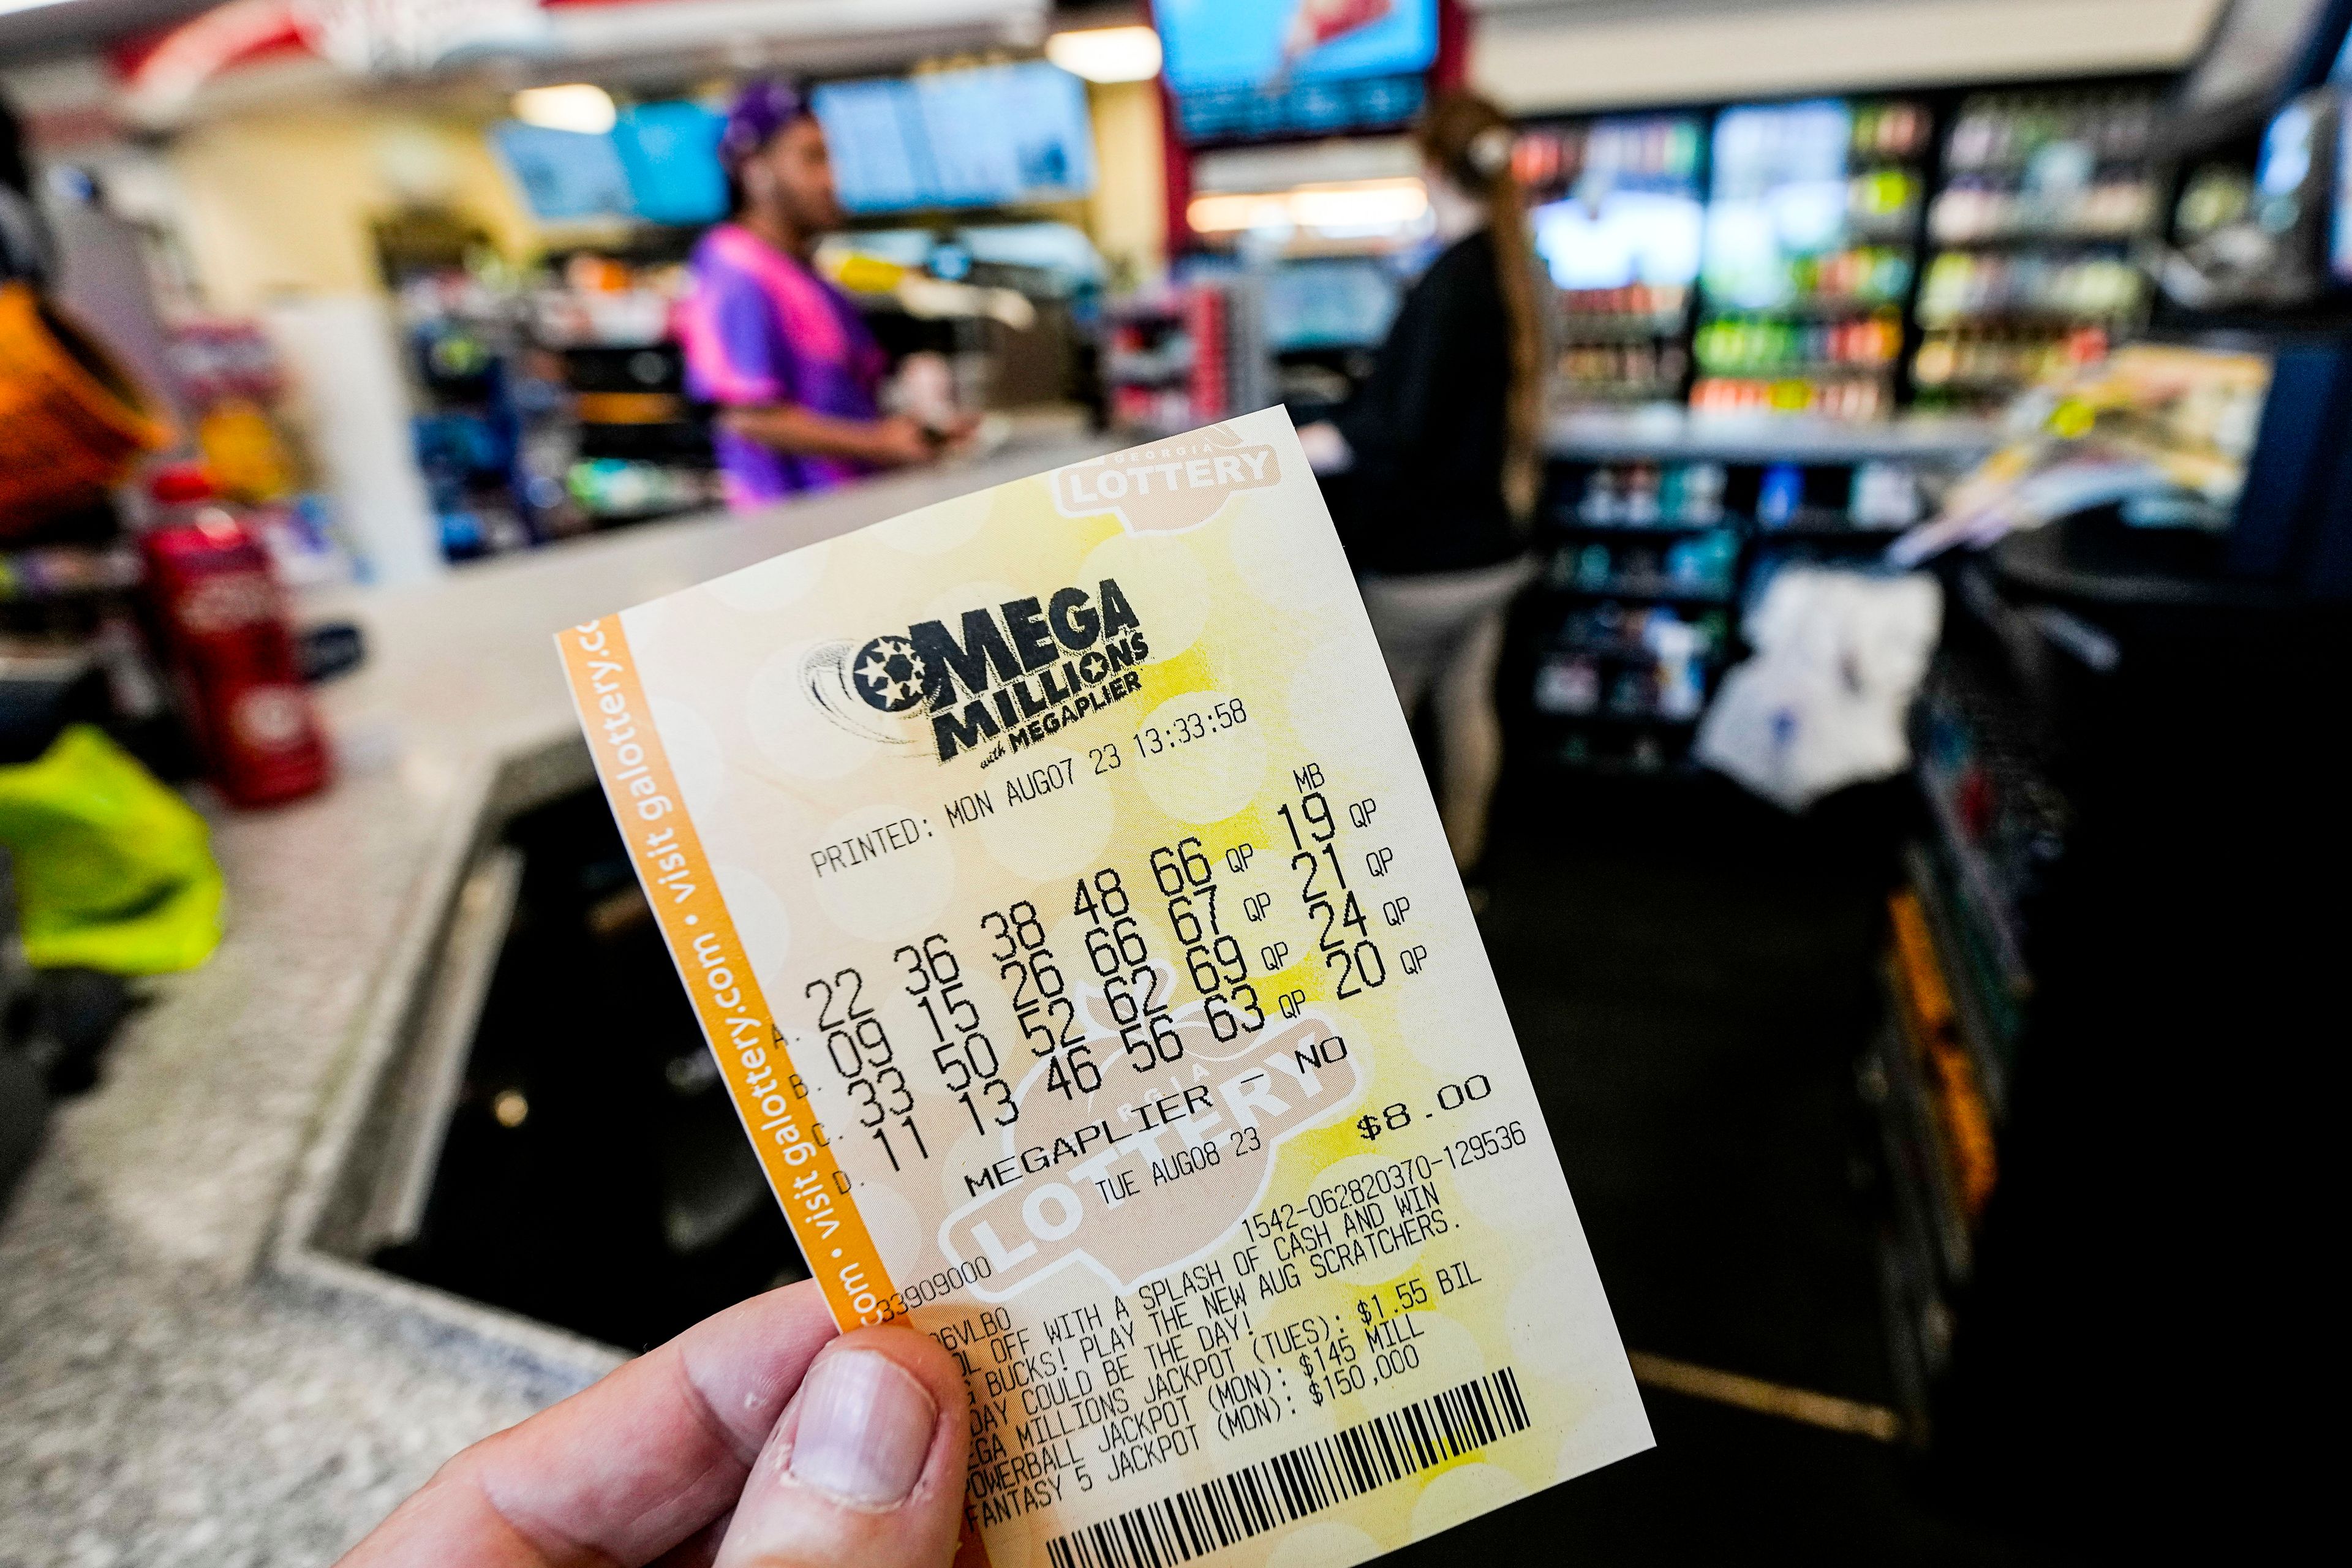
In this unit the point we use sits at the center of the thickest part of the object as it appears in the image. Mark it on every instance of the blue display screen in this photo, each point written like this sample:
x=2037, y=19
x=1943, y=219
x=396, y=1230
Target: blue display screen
x=985, y=137
x=1331, y=301
x=1212, y=45
x=670, y=151
x=564, y=176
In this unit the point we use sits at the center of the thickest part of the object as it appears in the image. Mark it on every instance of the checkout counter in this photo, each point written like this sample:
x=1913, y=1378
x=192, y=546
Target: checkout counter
x=202, y=1353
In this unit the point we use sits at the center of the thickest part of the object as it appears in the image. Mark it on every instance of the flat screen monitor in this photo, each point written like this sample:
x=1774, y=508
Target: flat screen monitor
x=874, y=136
x=565, y=176
x=1329, y=302
x=989, y=136
x=670, y=152
x=1214, y=44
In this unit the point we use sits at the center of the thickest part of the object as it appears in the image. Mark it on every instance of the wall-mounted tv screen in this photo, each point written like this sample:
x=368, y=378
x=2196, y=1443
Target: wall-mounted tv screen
x=1329, y=301
x=565, y=176
x=1212, y=45
x=989, y=136
x=670, y=151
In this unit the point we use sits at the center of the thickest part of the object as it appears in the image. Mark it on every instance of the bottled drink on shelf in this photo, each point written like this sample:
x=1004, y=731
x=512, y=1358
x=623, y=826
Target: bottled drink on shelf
x=225, y=625
x=1962, y=285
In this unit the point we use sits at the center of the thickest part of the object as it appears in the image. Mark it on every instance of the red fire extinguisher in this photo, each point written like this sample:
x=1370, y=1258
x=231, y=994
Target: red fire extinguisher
x=224, y=620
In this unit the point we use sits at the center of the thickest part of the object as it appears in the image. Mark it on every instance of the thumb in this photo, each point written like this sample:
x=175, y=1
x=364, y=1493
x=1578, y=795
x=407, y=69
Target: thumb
x=866, y=1465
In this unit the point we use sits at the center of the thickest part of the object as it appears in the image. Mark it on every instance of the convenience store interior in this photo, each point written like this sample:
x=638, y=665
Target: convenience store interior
x=1939, y=1119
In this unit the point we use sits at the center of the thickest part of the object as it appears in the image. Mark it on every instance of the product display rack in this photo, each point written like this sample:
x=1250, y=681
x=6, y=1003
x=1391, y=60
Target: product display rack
x=634, y=449
x=1192, y=354
x=1960, y=988
x=2044, y=196
x=1146, y=365
x=1653, y=531
x=472, y=407
x=1622, y=189
x=1986, y=237
x=1812, y=256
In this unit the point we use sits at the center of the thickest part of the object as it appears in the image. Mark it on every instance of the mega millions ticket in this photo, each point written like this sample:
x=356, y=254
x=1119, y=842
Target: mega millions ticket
x=1057, y=885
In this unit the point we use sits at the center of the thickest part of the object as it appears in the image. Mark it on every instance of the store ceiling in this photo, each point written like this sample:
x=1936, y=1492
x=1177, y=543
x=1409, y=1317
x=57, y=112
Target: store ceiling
x=1560, y=56
x=47, y=28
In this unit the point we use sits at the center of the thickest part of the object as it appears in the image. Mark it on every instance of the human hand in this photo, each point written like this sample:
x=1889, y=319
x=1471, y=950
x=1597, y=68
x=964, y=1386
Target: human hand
x=901, y=439
x=749, y=1441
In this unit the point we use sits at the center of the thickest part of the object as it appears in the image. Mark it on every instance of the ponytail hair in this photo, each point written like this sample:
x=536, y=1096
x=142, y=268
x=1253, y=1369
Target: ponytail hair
x=1470, y=139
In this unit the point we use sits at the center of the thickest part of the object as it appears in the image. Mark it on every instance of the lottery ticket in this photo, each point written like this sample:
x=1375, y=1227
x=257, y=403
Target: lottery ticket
x=1056, y=883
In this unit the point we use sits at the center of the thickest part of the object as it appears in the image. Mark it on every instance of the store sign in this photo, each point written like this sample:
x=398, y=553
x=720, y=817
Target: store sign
x=367, y=37
x=399, y=38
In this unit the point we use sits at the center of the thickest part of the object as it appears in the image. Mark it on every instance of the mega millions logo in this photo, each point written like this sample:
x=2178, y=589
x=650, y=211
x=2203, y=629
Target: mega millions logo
x=891, y=675
x=1003, y=678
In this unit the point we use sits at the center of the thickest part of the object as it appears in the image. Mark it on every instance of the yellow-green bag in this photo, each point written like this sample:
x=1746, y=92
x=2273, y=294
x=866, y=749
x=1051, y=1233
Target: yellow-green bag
x=113, y=871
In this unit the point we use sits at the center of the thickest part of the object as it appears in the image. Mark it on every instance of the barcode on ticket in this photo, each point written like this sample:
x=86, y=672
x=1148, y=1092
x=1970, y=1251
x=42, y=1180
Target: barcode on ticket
x=1309, y=1479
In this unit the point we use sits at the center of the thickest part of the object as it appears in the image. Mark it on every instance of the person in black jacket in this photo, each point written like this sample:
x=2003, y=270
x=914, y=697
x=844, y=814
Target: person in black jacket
x=1443, y=445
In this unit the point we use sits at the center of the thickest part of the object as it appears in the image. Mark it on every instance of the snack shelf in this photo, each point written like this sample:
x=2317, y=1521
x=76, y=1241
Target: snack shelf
x=1626, y=652
x=1580, y=328
x=1815, y=308
x=1571, y=752
x=1587, y=527
x=1978, y=1031
x=2033, y=237
x=1611, y=199
x=1872, y=532
x=2044, y=195
x=1674, y=435
x=1980, y=896
x=1919, y=1318
x=1632, y=392
x=2045, y=320
x=1650, y=718
x=1654, y=591
x=1800, y=370
x=1927, y=1154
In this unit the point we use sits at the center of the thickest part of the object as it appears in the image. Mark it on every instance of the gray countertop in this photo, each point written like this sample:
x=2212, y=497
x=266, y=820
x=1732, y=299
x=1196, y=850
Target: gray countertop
x=1662, y=434
x=165, y=1398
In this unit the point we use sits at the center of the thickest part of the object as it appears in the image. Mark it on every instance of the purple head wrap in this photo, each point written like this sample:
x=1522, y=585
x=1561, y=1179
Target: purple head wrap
x=761, y=110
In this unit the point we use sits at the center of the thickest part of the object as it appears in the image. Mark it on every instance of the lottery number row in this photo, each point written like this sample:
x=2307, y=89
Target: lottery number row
x=1136, y=990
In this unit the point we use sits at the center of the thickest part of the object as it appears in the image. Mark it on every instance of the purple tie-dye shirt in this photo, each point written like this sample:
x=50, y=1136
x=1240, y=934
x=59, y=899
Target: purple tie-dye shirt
x=759, y=327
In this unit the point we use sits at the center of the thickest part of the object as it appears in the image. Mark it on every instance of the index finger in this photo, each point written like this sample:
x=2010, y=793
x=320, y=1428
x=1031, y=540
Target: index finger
x=626, y=1469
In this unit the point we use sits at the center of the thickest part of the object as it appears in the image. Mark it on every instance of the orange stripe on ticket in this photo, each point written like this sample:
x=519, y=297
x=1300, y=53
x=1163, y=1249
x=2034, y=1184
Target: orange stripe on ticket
x=751, y=1052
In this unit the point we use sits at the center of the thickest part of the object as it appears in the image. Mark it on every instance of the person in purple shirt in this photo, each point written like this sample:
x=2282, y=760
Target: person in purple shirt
x=782, y=351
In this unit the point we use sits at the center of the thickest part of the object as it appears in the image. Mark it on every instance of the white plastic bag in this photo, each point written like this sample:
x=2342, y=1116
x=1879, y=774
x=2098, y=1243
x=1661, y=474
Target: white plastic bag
x=1820, y=704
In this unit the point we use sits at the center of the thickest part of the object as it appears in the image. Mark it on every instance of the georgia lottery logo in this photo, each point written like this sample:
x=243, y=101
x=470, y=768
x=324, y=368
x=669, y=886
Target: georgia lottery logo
x=1002, y=678
x=889, y=674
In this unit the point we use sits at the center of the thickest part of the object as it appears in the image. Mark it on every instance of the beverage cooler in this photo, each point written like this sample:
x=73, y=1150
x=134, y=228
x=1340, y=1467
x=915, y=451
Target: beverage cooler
x=1812, y=251
x=1617, y=210
x=1846, y=258
x=2031, y=237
